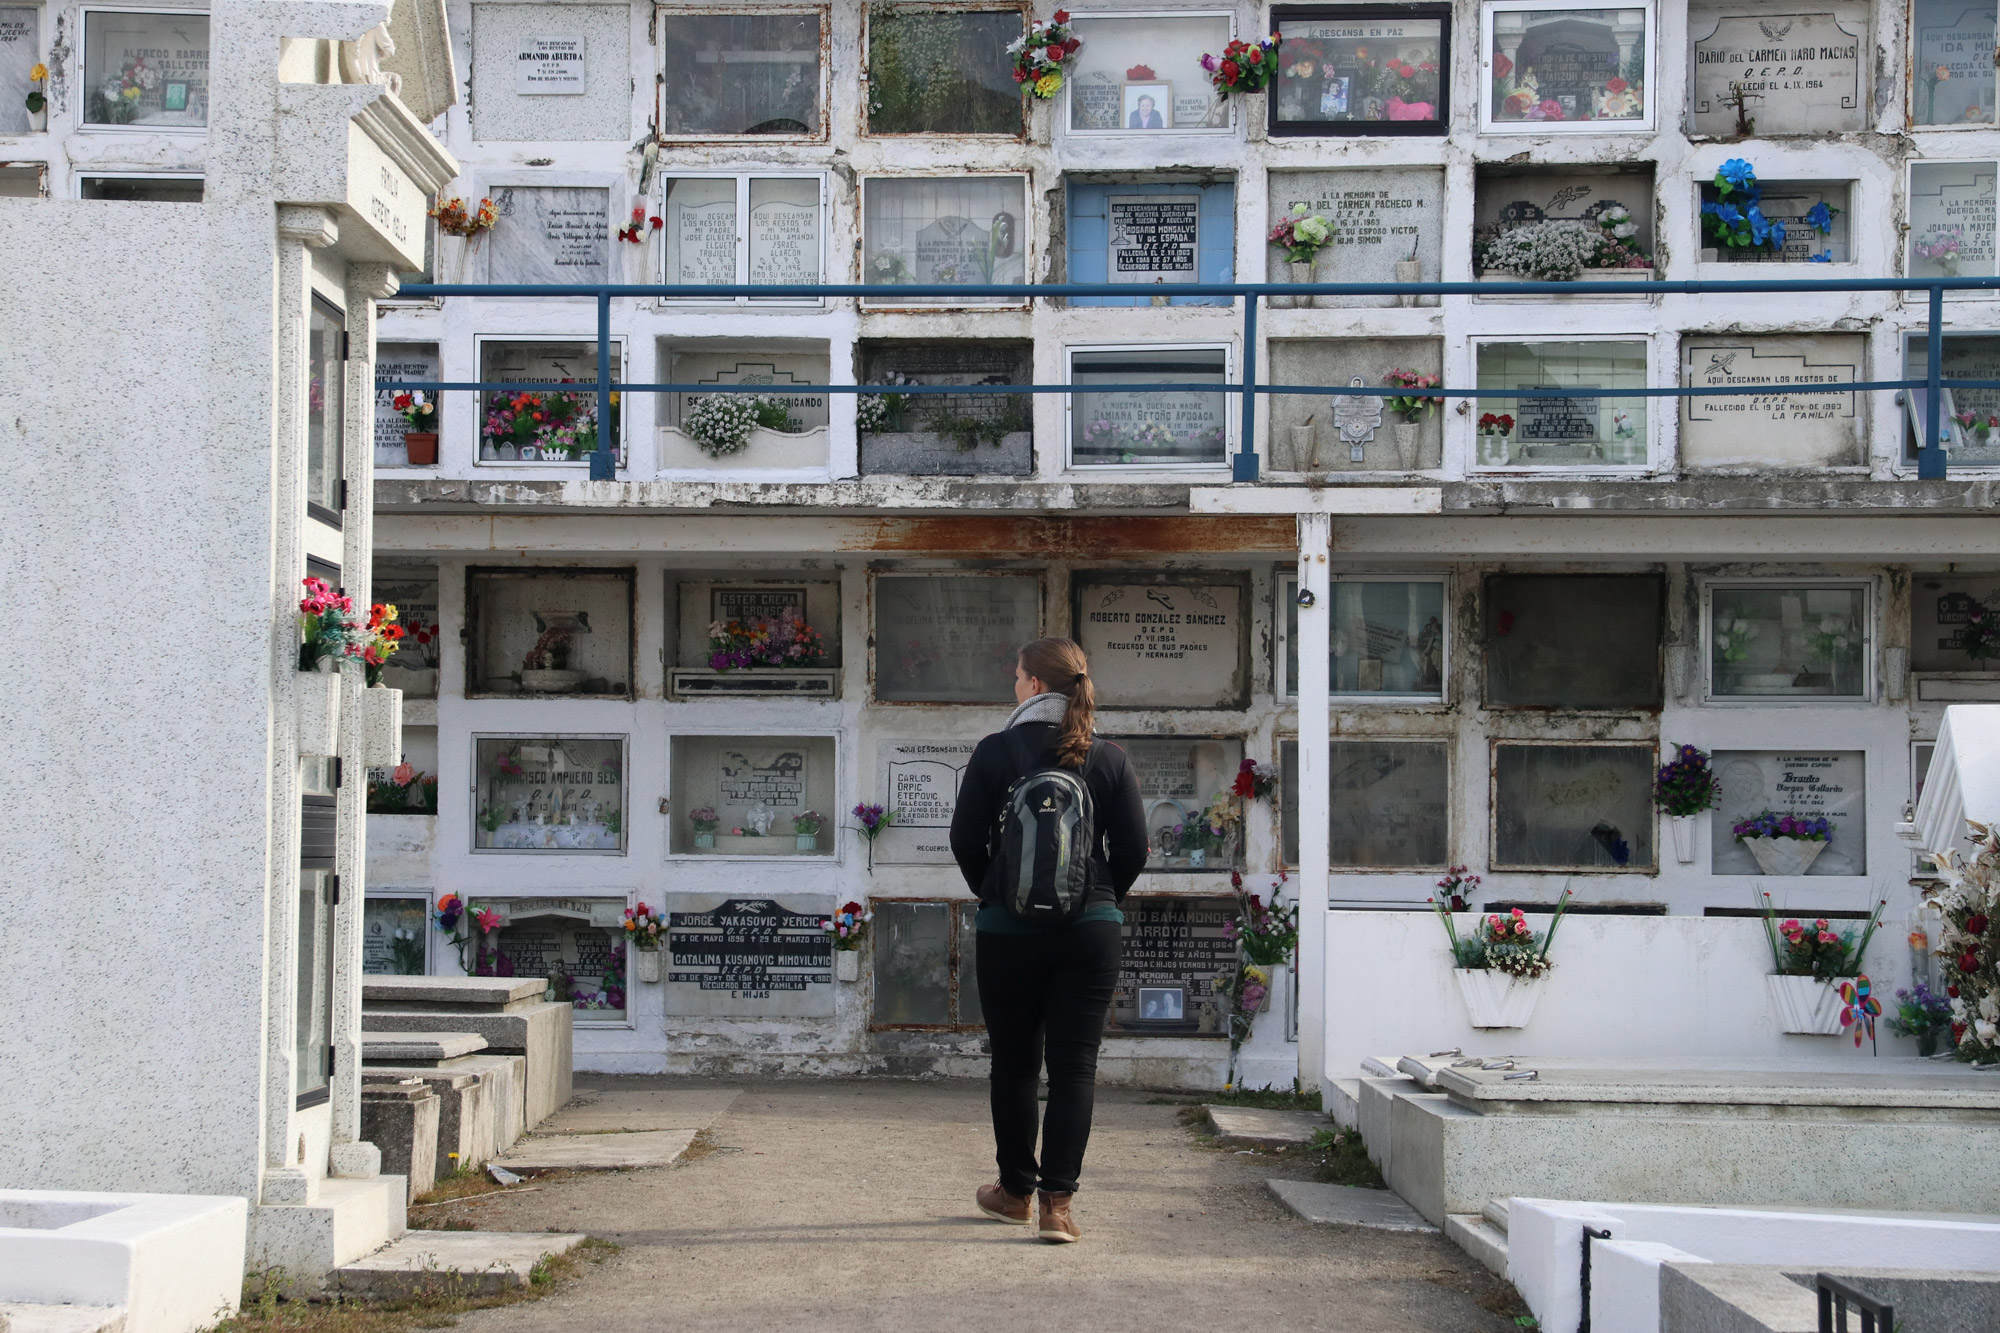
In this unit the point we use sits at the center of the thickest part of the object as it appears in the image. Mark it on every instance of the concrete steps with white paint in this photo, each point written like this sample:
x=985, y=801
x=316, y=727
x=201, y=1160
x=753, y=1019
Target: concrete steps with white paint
x=1483, y=1235
x=452, y=1263
x=16, y=1318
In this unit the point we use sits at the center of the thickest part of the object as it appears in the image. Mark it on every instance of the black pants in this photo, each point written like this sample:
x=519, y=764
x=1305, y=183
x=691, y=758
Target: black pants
x=1050, y=990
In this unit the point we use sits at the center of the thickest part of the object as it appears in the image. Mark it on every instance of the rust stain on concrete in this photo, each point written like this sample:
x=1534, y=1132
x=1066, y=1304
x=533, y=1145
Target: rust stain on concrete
x=1077, y=538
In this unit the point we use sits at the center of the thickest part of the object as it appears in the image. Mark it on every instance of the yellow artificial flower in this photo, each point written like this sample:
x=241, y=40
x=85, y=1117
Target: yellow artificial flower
x=131, y=94
x=614, y=397
x=39, y=74
x=389, y=612
x=1046, y=86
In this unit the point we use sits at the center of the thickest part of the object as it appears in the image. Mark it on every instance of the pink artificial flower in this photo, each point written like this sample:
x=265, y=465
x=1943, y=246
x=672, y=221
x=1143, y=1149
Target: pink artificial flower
x=403, y=774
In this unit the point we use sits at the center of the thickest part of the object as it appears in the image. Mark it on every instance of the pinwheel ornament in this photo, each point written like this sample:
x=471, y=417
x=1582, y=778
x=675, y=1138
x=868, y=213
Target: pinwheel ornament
x=1859, y=1009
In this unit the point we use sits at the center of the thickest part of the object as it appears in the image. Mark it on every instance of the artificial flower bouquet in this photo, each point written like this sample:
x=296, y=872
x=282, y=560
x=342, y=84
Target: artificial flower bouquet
x=327, y=628
x=554, y=424
x=1497, y=425
x=640, y=227
x=455, y=219
x=1243, y=67
x=1814, y=948
x=1458, y=886
x=1040, y=56
x=408, y=791
x=1254, y=781
x=1268, y=933
x=1412, y=406
x=1776, y=824
x=644, y=927
x=1967, y=897
x=1302, y=234
x=783, y=640
x=1504, y=943
x=1686, y=784
x=37, y=101
x=808, y=823
x=416, y=410
x=384, y=637
x=848, y=926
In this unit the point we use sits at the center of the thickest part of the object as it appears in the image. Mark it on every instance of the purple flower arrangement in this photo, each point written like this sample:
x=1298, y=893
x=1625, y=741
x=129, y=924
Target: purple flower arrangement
x=1685, y=785
x=1815, y=828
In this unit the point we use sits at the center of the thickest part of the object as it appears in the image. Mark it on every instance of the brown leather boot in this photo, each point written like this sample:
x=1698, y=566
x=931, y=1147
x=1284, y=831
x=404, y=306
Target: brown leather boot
x=1054, y=1222
x=998, y=1204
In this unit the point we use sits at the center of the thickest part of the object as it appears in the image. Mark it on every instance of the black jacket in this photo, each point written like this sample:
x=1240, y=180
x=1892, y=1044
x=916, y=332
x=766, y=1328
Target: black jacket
x=1118, y=813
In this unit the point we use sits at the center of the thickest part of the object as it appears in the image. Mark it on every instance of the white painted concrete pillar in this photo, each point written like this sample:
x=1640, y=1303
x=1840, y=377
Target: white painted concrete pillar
x=1315, y=722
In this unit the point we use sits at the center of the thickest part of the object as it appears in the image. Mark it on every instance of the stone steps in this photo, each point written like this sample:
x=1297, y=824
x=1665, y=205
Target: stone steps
x=462, y=1263
x=1479, y=1238
x=1255, y=1127
x=62, y=1318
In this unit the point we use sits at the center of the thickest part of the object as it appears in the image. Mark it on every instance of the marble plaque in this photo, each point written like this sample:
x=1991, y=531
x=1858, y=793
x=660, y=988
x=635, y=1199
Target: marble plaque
x=1378, y=216
x=550, y=234
x=1803, y=72
x=1094, y=102
x=1391, y=804
x=20, y=48
x=748, y=957
x=1818, y=429
x=1829, y=783
x=1337, y=361
x=1941, y=605
x=409, y=362
x=1175, y=952
x=920, y=783
x=592, y=108
x=1164, y=645
x=952, y=639
x=1951, y=219
x=1573, y=807
x=1957, y=38
x=1154, y=237
x=545, y=66
x=749, y=606
x=778, y=370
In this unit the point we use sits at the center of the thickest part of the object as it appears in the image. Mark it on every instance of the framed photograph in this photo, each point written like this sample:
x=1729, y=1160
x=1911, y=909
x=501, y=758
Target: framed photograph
x=1162, y=1004
x=1148, y=106
x=176, y=96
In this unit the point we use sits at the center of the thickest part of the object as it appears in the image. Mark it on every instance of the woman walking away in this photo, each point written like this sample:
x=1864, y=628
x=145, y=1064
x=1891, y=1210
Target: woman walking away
x=1050, y=833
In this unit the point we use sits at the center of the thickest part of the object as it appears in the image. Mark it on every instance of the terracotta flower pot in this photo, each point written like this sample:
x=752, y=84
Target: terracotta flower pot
x=422, y=447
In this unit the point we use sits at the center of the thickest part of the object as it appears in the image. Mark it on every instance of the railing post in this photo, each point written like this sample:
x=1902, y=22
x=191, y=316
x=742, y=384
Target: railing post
x=1930, y=456
x=1244, y=465
x=603, y=463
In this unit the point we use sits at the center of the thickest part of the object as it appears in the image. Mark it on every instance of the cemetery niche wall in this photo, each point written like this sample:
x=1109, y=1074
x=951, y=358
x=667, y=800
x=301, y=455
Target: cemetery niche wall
x=1792, y=640
x=1575, y=806
x=1125, y=59
x=1391, y=804
x=1784, y=429
x=1184, y=783
x=1830, y=785
x=1352, y=432
x=1528, y=430
x=550, y=72
x=1175, y=954
x=548, y=631
x=769, y=636
x=946, y=434
x=1608, y=204
x=1550, y=69
x=729, y=75
x=1145, y=427
x=753, y=796
x=415, y=363
x=1360, y=69
x=790, y=428
x=1951, y=219
x=544, y=425
x=549, y=234
x=1816, y=216
x=762, y=229
x=1381, y=217
x=144, y=70
x=548, y=794
x=748, y=957
x=1953, y=56
x=1155, y=231
x=1971, y=417
x=919, y=780
x=942, y=71
x=952, y=638
x=1388, y=638
x=1574, y=641
x=413, y=668
x=1154, y=644
x=1792, y=73
x=960, y=230
x=578, y=944
x=1944, y=637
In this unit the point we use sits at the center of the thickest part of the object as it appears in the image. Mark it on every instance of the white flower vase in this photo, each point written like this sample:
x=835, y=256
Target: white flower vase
x=705, y=841
x=318, y=711
x=1325, y=301
x=1198, y=857
x=1300, y=272
x=1256, y=116
x=646, y=962
x=1683, y=831
x=1305, y=448
x=1498, y=999
x=38, y=121
x=805, y=842
x=381, y=726
x=1806, y=1006
x=1785, y=856
x=1405, y=433
x=847, y=964
x=1407, y=271
x=1041, y=120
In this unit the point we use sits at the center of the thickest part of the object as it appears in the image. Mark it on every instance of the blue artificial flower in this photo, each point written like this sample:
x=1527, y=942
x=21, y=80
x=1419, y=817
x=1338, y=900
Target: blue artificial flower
x=1777, y=235
x=1823, y=257
x=1820, y=218
x=1730, y=214
x=1736, y=174
x=1759, y=229
x=1710, y=209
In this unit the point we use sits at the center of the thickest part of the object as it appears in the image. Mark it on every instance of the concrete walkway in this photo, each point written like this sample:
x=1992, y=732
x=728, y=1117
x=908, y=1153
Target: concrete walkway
x=830, y=1204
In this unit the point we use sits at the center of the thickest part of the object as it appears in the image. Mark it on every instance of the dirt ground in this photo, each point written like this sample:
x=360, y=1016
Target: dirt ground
x=833, y=1204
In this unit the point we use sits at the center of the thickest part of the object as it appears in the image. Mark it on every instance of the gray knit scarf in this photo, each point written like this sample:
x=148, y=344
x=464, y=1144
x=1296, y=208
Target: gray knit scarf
x=1046, y=707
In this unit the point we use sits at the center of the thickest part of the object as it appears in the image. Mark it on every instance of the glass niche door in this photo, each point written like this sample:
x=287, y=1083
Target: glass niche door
x=312, y=1050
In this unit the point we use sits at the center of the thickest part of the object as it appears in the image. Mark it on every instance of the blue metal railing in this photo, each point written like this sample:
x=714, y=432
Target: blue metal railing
x=1243, y=464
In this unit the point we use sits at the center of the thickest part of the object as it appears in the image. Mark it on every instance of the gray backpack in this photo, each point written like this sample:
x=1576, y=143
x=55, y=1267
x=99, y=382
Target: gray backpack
x=1042, y=841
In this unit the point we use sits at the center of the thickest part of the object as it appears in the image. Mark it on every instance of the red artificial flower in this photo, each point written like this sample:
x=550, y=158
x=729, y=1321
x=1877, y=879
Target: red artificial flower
x=1951, y=992
x=1255, y=55
x=1968, y=962
x=656, y=223
x=1502, y=66
x=1062, y=16
x=1230, y=70
x=1976, y=923
x=1616, y=85
x=1071, y=45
